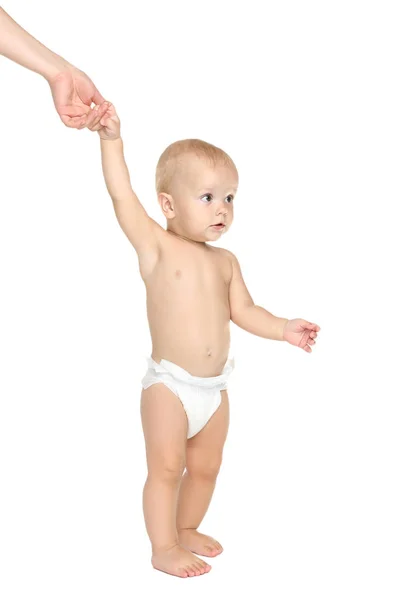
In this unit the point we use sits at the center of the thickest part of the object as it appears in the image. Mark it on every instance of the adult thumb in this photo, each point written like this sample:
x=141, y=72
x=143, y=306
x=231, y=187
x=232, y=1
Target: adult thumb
x=97, y=98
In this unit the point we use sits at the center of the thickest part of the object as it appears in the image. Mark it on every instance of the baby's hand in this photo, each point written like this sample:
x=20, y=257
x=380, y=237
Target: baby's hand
x=301, y=333
x=108, y=127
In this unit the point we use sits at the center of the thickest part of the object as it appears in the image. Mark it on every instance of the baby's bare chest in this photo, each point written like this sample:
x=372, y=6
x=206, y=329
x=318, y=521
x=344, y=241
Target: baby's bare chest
x=190, y=279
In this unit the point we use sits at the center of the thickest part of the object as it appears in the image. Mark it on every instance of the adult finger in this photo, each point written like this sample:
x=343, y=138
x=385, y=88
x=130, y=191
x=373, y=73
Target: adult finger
x=98, y=113
x=73, y=111
x=94, y=116
x=74, y=122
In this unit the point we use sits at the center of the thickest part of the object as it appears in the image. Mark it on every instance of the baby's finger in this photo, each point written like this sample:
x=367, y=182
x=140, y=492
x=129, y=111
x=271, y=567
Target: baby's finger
x=304, y=339
x=96, y=127
x=101, y=113
x=92, y=118
x=97, y=113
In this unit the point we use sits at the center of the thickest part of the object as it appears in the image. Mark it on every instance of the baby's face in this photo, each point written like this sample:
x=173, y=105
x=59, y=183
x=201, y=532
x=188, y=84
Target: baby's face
x=203, y=197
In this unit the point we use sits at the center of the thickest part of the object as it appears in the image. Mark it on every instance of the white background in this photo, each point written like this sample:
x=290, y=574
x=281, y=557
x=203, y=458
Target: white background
x=304, y=96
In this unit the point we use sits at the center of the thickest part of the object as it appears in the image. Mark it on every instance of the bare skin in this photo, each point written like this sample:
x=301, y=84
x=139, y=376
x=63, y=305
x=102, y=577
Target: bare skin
x=182, y=284
x=203, y=460
x=165, y=430
x=198, y=268
x=193, y=291
x=188, y=305
x=72, y=90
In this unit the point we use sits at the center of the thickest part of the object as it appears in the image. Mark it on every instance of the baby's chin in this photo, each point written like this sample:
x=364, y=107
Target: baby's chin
x=208, y=235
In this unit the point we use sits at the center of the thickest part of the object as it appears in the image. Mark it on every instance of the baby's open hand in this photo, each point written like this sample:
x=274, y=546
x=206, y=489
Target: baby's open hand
x=108, y=125
x=301, y=333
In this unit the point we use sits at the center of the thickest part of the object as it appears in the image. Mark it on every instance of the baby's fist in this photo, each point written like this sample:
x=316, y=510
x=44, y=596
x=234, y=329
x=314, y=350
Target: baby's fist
x=301, y=333
x=108, y=126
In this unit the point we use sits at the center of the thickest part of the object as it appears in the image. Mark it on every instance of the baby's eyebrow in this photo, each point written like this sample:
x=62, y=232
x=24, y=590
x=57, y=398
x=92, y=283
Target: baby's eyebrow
x=209, y=188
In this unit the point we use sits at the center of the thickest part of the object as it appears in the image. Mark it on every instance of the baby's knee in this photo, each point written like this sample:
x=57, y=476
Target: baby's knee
x=167, y=470
x=204, y=468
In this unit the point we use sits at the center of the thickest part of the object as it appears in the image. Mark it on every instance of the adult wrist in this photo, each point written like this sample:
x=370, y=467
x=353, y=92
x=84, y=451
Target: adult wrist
x=54, y=66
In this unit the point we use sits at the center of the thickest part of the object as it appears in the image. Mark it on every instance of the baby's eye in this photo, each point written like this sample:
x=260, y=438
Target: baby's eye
x=210, y=196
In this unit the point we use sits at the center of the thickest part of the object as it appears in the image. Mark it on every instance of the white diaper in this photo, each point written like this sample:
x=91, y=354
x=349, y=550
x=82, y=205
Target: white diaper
x=200, y=396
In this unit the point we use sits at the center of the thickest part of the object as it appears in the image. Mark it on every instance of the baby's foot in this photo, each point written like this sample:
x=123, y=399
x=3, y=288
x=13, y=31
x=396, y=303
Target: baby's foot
x=180, y=562
x=199, y=543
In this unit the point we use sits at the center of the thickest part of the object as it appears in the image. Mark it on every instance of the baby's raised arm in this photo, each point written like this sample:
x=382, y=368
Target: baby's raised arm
x=141, y=230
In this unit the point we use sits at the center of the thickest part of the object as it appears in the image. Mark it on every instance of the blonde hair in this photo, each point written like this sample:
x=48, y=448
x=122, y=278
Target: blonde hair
x=169, y=163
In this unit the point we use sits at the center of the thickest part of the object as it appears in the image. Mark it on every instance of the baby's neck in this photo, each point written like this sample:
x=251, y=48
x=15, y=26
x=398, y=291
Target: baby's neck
x=182, y=237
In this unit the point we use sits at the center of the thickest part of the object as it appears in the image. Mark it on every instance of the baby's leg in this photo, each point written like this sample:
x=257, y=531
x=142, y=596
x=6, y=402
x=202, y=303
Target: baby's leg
x=165, y=430
x=203, y=461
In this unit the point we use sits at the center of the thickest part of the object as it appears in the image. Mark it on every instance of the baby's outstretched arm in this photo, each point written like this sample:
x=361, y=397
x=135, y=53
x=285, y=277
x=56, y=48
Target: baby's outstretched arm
x=140, y=229
x=257, y=320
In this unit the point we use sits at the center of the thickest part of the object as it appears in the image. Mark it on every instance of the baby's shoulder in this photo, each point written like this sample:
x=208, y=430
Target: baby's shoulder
x=224, y=253
x=227, y=257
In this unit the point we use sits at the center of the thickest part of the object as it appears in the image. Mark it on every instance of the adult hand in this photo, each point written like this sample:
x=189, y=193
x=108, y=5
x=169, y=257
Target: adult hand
x=73, y=94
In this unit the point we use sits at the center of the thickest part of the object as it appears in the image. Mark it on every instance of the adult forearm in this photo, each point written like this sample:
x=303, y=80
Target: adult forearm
x=115, y=171
x=255, y=319
x=19, y=46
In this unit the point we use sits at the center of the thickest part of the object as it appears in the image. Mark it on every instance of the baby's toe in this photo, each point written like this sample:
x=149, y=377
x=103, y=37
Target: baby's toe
x=205, y=566
x=196, y=568
x=200, y=568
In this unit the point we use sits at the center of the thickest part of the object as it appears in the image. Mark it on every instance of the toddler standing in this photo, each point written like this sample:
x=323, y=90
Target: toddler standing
x=194, y=290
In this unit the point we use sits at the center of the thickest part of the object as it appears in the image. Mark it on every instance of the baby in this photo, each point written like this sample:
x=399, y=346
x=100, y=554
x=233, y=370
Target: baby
x=193, y=291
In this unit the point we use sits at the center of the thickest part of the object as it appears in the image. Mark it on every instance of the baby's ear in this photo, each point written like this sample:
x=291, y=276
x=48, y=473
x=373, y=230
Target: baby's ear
x=165, y=202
